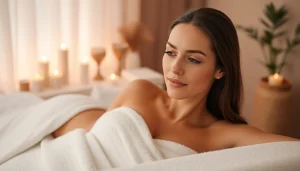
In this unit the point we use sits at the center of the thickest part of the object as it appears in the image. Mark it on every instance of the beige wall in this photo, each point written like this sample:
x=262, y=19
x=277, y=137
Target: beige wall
x=247, y=13
x=158, y=15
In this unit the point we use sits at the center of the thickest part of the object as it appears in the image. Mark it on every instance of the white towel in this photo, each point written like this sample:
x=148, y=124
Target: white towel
x=119, y=138
x=23, y=127
x=277, y=156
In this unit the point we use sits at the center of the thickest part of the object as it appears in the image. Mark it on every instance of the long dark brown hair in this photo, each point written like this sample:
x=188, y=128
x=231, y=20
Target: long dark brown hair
x=224, y=97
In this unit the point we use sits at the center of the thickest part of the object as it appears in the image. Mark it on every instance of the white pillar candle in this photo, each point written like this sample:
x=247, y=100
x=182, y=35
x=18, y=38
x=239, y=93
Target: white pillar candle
x=56, y=79
x=275, y=80
x=43, y=66
x=63, y=66
x=84, y=71
x=37, y=83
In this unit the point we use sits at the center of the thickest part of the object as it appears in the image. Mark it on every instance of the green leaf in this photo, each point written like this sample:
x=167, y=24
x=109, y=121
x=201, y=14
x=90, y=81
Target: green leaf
x=271, y=67
x=251, y=32
x=280, y=34
x=275, y=51
x=279, y=23
x=270, y=12
x=288, y=43
x=297, y=31
x=239, y=27
x=296, y=41
x=282, y=12
x=265, y=23
x=267, y=38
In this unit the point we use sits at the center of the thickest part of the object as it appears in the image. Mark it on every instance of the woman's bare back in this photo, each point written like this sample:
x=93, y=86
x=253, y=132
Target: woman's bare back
x=85, y=120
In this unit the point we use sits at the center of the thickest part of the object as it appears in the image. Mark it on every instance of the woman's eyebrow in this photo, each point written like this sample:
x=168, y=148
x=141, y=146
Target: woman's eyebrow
x=189, y=51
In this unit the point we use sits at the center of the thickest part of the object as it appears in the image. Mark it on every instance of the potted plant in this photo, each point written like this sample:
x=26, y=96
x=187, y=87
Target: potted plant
x=274, y=55
x=273, y=96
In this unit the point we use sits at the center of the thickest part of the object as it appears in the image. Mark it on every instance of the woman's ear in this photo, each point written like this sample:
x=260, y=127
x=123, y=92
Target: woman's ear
x=219, y=73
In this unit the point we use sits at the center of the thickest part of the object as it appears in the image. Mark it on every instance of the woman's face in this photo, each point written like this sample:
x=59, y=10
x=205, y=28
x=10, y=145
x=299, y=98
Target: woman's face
x=188, y=63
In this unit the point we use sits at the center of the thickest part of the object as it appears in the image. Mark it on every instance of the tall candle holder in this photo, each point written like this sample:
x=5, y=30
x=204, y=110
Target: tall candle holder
x=98, y=55
x=119, y=50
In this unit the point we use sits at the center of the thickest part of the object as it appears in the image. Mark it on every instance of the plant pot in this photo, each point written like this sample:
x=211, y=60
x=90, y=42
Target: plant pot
x=272, y=108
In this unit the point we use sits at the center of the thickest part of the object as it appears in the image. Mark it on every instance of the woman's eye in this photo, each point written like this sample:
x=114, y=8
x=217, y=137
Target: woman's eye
x=170, y=53
x=194, y=60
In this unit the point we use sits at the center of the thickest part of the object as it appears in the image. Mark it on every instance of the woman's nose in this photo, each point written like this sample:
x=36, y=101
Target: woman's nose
x=177, y=67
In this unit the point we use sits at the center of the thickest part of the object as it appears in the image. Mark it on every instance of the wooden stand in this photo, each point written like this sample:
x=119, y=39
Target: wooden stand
x=24, y=85
x=272, y=108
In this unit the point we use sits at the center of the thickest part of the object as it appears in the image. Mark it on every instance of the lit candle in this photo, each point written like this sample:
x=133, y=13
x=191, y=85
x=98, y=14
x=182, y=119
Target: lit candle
x=44, y=70
x=275, y=80
x=84, y=71
x=63, y=63
x=56, y=79
x=113, y=79
x=37, y=83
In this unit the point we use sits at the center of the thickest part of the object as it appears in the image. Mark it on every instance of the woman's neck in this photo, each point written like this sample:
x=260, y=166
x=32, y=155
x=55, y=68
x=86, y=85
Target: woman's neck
x=190, y=111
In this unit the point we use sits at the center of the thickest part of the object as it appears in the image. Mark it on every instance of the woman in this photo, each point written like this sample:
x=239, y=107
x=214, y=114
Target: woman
x=201, y=107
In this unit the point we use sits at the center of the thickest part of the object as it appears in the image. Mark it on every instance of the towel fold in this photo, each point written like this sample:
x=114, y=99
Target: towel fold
x=25, y=126
x=119, y=138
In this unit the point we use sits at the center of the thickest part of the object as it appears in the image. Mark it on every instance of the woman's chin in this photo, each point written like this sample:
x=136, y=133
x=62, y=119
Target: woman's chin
x=179, y=95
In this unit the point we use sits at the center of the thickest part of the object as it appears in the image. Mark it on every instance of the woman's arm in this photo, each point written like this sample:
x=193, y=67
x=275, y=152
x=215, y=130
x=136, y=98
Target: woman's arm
x=248, y=135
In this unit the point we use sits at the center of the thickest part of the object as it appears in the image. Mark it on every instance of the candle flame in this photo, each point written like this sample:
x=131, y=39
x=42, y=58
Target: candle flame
x=276, y=76
x=63, y=46
x=38, y=76
x=44, y=59
x=113, y=76
x=84, y=60
x=56, y=72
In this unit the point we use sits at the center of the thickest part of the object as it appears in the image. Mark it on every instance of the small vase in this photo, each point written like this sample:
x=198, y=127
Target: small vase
x=132, y=60
x=272, y=108
x=120, y=50
x=98, y=55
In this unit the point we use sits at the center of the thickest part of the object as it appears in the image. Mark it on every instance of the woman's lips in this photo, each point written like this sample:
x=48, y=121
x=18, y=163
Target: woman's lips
x=176, y=83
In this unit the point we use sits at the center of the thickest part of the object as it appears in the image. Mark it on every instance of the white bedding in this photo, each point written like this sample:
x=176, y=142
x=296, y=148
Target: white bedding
x=119, y=138
x=26, y=146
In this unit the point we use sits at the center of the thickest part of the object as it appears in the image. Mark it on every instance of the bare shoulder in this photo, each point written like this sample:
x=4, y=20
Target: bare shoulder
x=137, y=91
x=141, y=89
x=243, y=134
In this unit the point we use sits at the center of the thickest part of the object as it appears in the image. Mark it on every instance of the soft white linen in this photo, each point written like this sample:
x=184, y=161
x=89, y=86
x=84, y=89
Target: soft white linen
x=119, y=138
x=115, y=142
x=278, y=156
x=24, y=126
x=105, y=93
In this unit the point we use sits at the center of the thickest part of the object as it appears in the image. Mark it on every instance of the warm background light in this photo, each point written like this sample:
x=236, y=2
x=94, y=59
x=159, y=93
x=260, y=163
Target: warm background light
x=113, y=76
x=84, y=60
x=38, y=76
x=44, y=59
x=56, y=73
x=63, y=46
